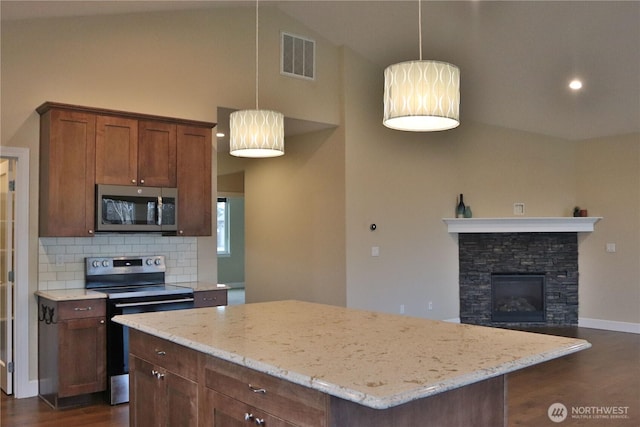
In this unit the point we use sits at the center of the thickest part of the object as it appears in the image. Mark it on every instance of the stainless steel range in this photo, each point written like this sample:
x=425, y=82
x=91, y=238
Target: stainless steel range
x=132, y=285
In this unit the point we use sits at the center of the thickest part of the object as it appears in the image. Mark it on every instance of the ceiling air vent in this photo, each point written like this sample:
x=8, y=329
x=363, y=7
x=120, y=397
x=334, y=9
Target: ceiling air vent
x=297, y=56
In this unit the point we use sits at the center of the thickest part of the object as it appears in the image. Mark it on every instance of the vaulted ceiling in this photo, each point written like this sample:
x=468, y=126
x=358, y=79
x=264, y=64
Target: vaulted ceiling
x=516, y=57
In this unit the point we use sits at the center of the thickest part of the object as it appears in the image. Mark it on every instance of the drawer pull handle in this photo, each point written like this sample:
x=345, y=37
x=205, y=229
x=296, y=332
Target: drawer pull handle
x=161, y=353
x=260, y=422
x=83, y=308
x=209, y=298
x=248, y=416
x=157, y=374
x=257, y=389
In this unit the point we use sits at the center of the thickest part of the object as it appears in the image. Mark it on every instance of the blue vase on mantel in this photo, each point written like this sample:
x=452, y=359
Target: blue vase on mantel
x=467, y=212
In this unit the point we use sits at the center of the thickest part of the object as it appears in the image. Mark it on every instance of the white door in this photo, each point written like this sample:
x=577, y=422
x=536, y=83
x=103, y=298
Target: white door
x=7, y=194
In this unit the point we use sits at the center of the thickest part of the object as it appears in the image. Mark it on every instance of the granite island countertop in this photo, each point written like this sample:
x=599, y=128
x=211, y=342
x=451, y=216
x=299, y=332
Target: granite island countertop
x=375, y=359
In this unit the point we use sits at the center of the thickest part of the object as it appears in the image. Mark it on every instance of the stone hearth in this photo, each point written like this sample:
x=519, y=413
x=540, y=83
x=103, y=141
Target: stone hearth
x=554, y=255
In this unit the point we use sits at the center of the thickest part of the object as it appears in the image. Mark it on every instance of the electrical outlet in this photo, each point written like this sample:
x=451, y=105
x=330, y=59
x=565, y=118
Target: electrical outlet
x=611, y=247
x=401, y=308
x=518, y=208
x=59, y=259
x=430, y=306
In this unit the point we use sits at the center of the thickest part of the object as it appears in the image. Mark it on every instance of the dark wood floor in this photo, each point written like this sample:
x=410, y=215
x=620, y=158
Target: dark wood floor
x=604, y=376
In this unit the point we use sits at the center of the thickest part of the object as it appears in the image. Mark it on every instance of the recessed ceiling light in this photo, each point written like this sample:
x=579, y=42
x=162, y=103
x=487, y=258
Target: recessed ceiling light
x=575, y=84
x=220, y=135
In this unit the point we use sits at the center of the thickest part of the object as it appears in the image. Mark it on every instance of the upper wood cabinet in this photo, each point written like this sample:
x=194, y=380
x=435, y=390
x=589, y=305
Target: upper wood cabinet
x=157, y=154
x=116, y=150
x=84, y=146
x=67, y=171
x=194, y=181
x=132, y=152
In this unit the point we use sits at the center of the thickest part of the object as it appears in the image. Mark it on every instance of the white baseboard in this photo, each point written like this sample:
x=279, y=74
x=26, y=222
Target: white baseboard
x=609, y=325
x=454, y=320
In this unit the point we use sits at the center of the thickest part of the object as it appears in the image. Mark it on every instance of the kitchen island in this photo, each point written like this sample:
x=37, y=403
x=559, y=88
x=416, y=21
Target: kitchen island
x=295, y=363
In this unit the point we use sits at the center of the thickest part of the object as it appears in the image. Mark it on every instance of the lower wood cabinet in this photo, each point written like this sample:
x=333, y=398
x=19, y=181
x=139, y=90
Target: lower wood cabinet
x=171, y=385
x=163, y=385
x=159, y=397
x=71, y=351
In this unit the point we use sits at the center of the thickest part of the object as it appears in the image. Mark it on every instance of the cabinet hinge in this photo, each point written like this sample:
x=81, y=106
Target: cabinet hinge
x=10, y=367
x=10, y=277
x=12, y=185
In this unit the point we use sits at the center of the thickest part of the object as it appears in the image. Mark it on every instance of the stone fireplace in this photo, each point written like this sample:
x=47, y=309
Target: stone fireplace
x=516, y=274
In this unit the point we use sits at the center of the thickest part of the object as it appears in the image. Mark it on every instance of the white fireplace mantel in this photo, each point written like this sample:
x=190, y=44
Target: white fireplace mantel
x=522, y=224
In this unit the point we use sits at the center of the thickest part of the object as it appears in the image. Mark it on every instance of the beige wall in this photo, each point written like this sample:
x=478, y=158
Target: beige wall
x=609, y=186
x=294, y=214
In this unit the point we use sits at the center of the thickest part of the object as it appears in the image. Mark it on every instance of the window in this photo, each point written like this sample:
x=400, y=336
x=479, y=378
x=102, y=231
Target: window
x=223, y=226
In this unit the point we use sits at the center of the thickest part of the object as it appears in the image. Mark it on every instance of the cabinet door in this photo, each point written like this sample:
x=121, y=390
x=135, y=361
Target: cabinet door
x=194, y=181
x=181, y=401
x=116, y=150
x=82, y=358
x=158, y=397
x=223, y=411
x=156, y=154
x=67, y=173
x=145, y=394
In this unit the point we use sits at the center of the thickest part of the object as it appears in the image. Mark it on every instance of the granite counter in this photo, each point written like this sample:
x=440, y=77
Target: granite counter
x=374, y=359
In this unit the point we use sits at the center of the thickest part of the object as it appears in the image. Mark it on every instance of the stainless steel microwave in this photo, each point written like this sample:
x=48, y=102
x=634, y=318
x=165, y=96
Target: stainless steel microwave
x=127, y=208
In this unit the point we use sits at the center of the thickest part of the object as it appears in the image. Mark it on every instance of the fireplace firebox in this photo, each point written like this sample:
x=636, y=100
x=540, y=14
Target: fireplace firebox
x=517, y=297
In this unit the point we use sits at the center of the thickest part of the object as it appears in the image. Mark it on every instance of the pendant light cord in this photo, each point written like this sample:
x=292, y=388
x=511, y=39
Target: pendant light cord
x=257, y=55
x=420, y=26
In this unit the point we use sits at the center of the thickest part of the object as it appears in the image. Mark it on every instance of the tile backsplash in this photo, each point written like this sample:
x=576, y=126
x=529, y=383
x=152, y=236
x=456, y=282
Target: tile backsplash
x=61, y=259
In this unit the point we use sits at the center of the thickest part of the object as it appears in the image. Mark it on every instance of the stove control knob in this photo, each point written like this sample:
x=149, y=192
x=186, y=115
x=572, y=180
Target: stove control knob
x=105, y=263
x=157, y=261
x=149, y=261
x=95, y=264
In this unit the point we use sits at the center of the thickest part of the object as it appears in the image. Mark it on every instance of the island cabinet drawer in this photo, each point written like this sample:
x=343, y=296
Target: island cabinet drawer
x=291, y=402
x=171, y=356
x=226, y=412
x=81, y=309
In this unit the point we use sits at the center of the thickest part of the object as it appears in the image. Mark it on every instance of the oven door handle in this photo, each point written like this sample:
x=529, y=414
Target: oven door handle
x=138, y=304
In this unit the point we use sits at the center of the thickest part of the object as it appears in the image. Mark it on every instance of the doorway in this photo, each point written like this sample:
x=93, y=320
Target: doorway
x=14, y=273
x=7, y=255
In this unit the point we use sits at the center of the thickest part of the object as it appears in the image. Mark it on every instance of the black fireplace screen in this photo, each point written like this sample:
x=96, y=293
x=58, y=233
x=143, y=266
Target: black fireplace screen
x=517, y=298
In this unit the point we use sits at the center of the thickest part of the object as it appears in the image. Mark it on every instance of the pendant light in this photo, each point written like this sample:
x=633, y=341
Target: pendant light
x=421, y=95
x=256, y=133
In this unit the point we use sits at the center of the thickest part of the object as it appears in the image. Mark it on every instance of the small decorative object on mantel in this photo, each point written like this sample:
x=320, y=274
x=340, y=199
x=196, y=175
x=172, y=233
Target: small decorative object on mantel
x=460, y=209
x=467, y=212
x=577, y=212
